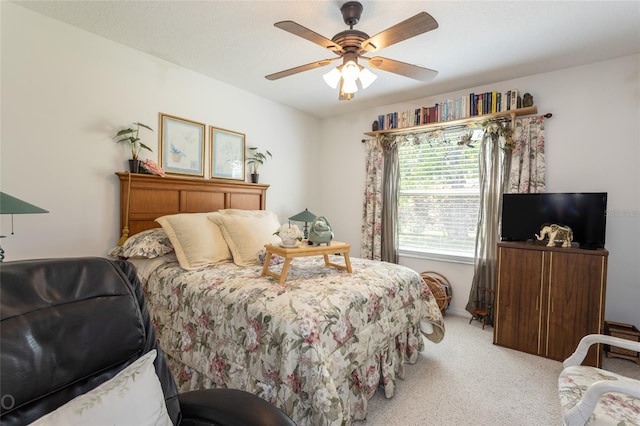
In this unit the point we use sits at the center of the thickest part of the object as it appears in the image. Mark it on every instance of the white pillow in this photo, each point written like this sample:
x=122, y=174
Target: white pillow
x=132, y=397
x=246, y=233
x=196, y=240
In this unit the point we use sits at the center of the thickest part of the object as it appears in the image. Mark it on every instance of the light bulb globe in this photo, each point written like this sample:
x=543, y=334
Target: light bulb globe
x=350, y=71
x=332, y=78
x=349, y=86
x=367, y=78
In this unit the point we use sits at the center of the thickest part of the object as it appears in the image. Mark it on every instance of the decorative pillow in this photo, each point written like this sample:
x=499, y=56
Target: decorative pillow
x=246, y=234
x=116, y=251
x=196, y=239
x=274, y=260
x=133, y=396
x=146, y=244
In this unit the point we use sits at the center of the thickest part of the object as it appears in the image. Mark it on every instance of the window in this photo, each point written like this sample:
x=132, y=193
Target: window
x=439, y=197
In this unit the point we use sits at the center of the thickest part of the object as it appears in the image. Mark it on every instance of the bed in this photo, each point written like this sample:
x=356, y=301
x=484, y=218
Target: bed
x=318, y=346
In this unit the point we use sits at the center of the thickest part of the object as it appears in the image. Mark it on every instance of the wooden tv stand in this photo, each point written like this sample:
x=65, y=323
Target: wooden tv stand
x=548, y=298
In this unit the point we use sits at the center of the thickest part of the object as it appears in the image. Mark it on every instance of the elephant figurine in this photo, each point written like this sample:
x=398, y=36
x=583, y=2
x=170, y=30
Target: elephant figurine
x=556, y=233
x=320, y=232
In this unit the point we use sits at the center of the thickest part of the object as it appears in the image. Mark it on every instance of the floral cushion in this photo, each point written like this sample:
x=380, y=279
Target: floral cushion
x=274, y=260
x=134, y=396
x=612, y=409
x=146, y=244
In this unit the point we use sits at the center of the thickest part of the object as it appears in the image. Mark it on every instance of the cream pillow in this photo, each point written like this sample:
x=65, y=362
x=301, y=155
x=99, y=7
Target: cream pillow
x=196, y=240
x=253, y=213
x=245, y=234
x=132, y=397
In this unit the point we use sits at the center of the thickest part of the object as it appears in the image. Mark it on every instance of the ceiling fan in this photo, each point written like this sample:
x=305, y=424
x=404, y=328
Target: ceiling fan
x=353, y=44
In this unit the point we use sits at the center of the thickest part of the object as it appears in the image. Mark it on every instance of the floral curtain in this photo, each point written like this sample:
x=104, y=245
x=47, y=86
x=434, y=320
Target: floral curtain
x=527, y=174
x=511, y=160
x=380, y=213
x=371, y=237
x=379, y=237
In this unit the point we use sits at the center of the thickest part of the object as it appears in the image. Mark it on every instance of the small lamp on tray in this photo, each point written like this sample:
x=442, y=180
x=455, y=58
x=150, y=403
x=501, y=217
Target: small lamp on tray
x=304, y=216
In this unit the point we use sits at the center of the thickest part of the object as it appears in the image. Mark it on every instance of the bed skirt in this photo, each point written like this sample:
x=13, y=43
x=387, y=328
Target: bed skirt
x=352, y=390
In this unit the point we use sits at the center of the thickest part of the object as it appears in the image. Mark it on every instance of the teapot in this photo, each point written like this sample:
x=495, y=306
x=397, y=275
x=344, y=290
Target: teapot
x=320, y=232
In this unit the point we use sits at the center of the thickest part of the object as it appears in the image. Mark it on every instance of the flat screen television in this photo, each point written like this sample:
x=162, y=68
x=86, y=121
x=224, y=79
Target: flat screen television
x=584, y=212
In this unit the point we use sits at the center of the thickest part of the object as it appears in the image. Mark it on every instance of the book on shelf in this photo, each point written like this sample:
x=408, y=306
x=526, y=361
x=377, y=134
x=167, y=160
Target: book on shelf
x=486, y=101
x=471, y=105
x=501, y=101
x=514, y=99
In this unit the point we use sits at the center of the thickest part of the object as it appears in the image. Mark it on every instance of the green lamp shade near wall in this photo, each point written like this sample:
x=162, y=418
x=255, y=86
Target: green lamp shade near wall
x=13, y=205
x=304, y=216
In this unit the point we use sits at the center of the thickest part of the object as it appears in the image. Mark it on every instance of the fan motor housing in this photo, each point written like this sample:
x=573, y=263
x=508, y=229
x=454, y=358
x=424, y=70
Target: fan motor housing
x=350, y=40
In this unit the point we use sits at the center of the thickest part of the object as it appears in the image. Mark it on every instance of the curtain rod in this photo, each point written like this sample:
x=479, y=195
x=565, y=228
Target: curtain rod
x=547, y=115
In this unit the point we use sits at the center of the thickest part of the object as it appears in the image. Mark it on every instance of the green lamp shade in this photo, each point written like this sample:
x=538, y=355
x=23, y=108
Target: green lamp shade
x=304, y=216
x=13, y=205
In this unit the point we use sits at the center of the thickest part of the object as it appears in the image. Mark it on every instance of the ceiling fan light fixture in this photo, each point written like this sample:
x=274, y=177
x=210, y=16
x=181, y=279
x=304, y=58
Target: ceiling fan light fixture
x=350, y=72
x=366, y=77
x=332, y=78
x=351, y=44
x=349, y=86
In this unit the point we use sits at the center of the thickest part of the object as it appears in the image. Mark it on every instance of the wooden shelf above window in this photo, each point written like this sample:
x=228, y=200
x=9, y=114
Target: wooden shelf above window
x=459, y=122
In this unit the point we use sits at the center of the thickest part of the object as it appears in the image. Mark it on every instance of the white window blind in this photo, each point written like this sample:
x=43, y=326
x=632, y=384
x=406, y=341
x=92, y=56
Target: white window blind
x=438, y=197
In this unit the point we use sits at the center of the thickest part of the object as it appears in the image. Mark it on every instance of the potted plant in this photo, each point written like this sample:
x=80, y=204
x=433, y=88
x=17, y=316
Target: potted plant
x=131, y=136
x=255, y=160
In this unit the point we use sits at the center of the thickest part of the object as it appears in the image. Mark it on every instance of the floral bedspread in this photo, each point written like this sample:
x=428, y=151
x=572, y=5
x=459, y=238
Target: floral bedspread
x=318, y=346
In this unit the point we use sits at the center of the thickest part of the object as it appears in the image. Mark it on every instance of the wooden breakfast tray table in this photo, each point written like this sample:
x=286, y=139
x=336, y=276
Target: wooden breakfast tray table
x=289, y=253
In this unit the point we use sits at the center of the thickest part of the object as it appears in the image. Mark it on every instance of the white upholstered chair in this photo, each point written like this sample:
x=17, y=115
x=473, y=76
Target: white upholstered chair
x=593, y=396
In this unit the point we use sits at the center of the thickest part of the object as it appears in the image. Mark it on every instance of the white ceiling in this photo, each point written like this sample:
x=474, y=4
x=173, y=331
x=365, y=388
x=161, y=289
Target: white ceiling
x=477, y=42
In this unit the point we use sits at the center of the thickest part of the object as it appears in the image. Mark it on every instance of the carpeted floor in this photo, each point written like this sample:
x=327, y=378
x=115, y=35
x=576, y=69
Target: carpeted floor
x=466, y=380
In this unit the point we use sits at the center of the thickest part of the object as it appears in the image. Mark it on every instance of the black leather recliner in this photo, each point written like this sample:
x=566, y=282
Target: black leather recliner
x=68, y=325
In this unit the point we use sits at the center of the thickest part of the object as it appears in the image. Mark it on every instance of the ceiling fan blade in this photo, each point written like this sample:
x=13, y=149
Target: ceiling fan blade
x=402, y=68
x=418, y=24
x=306, y=33
x=301, y=68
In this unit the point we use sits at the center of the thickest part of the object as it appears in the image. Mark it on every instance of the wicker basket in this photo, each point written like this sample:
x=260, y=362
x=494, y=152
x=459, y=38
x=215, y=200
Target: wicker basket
x=440, y=287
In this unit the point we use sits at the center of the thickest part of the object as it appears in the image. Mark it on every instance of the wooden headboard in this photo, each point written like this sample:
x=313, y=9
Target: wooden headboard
x=154, y=196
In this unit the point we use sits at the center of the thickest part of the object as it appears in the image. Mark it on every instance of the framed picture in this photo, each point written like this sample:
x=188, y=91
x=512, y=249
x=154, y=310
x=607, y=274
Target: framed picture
x=181, y=146
x=227, y=154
